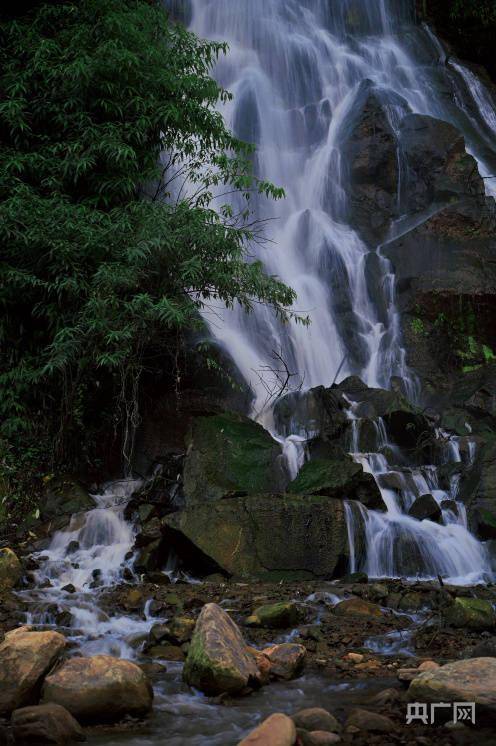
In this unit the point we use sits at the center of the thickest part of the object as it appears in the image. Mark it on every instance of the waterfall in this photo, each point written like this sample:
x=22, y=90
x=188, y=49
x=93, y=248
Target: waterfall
x=300, y=71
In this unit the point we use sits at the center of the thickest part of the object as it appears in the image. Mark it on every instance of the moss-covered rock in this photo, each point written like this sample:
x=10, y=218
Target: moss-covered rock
x=274, y=616
x=10, y=569
x=271, y=537
x=218, y=660
x=342, y=479
x=472, y=613
x=358, y=607
x=229, y=454
x=64, y=496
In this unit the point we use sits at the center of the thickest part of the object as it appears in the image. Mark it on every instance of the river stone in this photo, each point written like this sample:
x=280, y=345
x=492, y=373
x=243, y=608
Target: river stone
x=25, y=658
x=472, y=613
x=425, y=508
x=45, y=724
x=358, y=607
x=274, y=616
x=265, y=536
x=287, y=660
x=318, y=738
x=471, y=680
x=369, y=721
x=100, y=689
x=316, y=718
x=276, y=730
x=342, y=479
x=10, y=569
x=218, y=660
x=229, y=454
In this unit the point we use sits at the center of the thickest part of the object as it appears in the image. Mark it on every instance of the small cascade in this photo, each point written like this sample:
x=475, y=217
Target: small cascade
x=396, y=544
x=91, y=555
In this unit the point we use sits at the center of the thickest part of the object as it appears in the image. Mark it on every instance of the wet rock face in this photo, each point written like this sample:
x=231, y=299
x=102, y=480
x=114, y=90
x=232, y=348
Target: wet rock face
x=266, y=536
x=371, y=153
x=229, y=454
x=25, y=658
x=217, y=660
x=64, y=497
x=100, y=689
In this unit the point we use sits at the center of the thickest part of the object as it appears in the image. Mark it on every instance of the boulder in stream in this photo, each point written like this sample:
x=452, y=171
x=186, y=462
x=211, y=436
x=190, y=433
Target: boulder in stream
x=10, y=569
x=425, y=507
x=25, y=658
x=100, y=689
x=218, y=660
x=286, y=660
x=271, y=537
x=274, y=616
x=45, y=724
x=471, y=680
x=276, y=730
x=358, y=607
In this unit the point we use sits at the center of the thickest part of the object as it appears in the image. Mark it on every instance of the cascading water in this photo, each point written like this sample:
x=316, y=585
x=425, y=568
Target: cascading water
x=300, y=71
x=92, y=554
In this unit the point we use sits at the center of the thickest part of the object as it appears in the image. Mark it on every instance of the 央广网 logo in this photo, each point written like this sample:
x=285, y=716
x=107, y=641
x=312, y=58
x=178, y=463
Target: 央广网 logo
x=462, y=712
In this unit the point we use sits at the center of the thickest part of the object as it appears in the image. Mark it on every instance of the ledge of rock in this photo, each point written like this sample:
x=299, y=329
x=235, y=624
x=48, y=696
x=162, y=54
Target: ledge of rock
x=267, y=536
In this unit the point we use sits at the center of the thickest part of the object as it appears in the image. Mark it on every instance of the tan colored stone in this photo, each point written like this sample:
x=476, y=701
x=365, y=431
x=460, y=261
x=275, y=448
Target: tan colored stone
x=218, y=660
x=276, y=730
x=428, y=666
x=45, y=724
x=263, y=665
x=353, y=657
x=358, y=607
x=10, y=569
x=323, y=738
x=286, y=660
x=25, y=658
x=99, y=689
x=471, y=680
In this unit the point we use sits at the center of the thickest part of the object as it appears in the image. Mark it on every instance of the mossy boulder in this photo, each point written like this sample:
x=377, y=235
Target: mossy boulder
x=271, y=537
x=274, y=616
x=64, y=496
x=342, y=479
x=486, y=524
x=472, y=613
x=218, y=660
x=10, y=569
x=358, y=607
x=229, y=454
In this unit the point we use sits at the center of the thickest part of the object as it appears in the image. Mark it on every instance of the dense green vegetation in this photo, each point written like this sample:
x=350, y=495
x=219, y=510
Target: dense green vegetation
x=107, y=108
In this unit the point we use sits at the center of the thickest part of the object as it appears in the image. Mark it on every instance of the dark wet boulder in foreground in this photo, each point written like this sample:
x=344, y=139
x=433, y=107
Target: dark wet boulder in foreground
x=229, y=454
x=270, y=537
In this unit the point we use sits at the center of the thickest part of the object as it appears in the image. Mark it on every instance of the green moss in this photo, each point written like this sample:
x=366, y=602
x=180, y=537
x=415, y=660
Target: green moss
x=324, y=477
x=229, y=454
x=473, y=613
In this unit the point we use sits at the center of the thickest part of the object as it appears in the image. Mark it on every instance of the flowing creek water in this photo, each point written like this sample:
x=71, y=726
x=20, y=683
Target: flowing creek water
x=300, y=71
